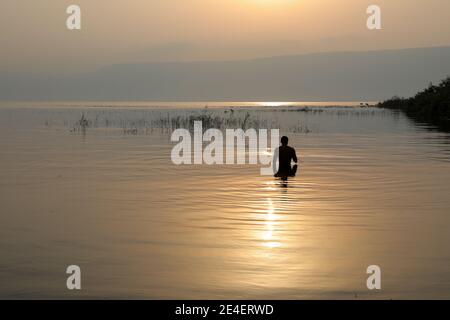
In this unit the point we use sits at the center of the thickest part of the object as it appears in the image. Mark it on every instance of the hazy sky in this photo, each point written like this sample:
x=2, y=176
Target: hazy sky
x=34, y=37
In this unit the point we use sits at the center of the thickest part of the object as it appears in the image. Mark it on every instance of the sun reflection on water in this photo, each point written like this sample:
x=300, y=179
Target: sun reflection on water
x=268, y=237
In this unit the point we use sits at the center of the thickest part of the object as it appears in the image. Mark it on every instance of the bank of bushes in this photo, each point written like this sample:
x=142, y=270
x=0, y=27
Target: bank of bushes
x=431, y=105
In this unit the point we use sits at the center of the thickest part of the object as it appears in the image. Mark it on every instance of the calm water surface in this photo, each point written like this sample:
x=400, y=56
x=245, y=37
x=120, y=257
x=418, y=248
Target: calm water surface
x=373, y=189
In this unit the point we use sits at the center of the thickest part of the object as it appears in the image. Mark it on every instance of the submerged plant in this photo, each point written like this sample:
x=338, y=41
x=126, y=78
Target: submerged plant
x=82, y=124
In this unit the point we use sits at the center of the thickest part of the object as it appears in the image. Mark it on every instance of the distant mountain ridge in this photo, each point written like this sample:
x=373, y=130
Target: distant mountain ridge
x=335, y=76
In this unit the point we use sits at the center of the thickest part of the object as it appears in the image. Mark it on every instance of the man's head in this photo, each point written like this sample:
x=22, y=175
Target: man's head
x=284, y=141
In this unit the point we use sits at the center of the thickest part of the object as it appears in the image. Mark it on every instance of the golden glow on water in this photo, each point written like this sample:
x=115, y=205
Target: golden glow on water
x=269, y=239
x=276, y=104
x=148, y=229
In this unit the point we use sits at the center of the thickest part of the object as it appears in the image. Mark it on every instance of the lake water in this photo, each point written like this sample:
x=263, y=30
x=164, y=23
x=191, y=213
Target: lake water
x=372, y=189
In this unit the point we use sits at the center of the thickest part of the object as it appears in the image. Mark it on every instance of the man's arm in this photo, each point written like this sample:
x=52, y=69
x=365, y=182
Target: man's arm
x=294, y=155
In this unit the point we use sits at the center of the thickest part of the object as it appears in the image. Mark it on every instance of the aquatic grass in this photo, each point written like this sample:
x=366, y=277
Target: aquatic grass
x=82, y=124
x=164, y=121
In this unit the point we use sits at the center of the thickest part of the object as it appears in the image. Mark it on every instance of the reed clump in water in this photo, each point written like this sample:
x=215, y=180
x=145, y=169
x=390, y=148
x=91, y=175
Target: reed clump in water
x=210, y=120
x=134, y=122
x=82, y=124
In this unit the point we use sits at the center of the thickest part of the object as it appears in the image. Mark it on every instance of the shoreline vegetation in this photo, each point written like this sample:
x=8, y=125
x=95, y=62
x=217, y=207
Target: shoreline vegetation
x=429, y=106
x=228, y=118
x=147, y=121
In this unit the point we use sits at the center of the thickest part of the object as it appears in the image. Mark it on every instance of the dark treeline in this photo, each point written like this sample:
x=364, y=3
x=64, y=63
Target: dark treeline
x=431, y=105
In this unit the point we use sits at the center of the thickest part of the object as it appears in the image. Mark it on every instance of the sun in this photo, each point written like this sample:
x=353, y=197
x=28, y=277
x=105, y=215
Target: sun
x=271, y=2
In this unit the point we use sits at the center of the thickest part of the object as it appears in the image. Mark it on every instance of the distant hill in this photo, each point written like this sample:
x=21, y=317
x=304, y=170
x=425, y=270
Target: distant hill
x=431, y=105
x=338, y=76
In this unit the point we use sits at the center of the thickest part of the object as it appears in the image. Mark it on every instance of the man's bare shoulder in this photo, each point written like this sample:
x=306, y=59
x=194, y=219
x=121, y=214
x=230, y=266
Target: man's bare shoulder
x=290, y=149
x=286, y=150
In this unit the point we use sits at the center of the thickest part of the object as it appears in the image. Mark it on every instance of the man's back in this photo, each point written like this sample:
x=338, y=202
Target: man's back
x=286, y=155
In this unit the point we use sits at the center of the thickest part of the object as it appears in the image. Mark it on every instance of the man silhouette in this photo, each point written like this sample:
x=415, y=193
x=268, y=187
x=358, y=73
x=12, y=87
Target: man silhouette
x=286, y=155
